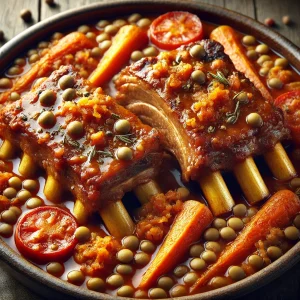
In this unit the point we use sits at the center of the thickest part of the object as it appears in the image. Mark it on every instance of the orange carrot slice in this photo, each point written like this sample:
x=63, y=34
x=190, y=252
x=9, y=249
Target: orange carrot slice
x=279, y=211
x=227, y=37
x=69, y=44
x=128, y=39
x=186, y=229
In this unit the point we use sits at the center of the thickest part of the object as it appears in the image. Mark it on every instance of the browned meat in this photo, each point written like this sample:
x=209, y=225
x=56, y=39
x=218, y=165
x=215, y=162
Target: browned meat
x=201, y=115
x=83, y=156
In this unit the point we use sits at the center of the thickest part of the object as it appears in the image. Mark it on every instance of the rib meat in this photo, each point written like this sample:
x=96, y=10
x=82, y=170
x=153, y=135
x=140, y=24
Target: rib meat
x=201, y=123
x=88, y=165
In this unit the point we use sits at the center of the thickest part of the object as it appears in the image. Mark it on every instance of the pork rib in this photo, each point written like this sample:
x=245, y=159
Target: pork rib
x=202, y=123
x=88, y=165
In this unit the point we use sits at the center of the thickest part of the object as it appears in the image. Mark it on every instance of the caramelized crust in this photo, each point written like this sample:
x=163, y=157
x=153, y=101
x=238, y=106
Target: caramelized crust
x=87, y=165
x=203, y=123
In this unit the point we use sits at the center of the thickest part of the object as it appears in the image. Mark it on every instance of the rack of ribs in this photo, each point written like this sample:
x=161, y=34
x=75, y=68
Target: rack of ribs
x=211, y=117
x=86, y=142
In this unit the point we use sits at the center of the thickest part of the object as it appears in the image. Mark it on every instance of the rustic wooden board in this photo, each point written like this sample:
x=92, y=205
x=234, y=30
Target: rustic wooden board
x=10, y=21
x=245, y=7
x=62, y=5
x=277, y=9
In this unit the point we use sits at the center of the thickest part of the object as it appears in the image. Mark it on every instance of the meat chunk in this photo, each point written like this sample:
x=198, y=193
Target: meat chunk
x=79, y=144
x=200, y=106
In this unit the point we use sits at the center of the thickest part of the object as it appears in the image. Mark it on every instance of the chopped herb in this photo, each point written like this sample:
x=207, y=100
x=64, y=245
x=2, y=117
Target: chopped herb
x=177, y=61
x=105, y=153
x=86, y=94
x=220, y=77
x=35, y=116
x=40, y=130
x=115, y=116
x=73, y=143
x=18, y=107
x=211, y=129
x=91, y=154
x=231, y=118
x=109, y=133
x=187, y=86
x=126, y=138
x=24, y=117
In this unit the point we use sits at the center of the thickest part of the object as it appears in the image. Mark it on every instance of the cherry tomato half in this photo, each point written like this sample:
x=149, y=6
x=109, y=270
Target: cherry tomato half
x=46, y=234
x=173, y=29
x=290, y=105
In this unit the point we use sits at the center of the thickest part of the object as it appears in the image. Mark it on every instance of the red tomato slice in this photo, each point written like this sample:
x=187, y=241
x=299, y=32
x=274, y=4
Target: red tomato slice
x=46, y=234
x=173, y=29
x=290, y=105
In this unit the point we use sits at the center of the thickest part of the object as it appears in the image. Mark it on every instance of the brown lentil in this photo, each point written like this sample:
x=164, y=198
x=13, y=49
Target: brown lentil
x=34, y=58
x=249, y=40
x=30, y=185
x=82, y=234
x=111, y=29
x=190, y=278
x=147, y=246
x=124, y=269
x=262, y=49
x=14, y=96
x=145, y=22
x=181, y=270
x=228, y=233
x=34, y=202
x=10, y=192
x=83, y=29
x=196, y=250
x=218, y=282
x=5, y=83
x=178, y=291
x=240, y=210
x=134, y=18
x=252, y=54
x=165, y=282
x=125, y=291
x=16, y=210
x=142, y=258
x=213, y=246
x=211, y=234
x=255, y=261
x=103, y=23
x=209, y=256
x=254, y=120
x=125, y=256
x=297, y=221
x=236, y=273
x=6, y=230
x=197, y=264
x=69, y=94
x=235, y=223
x=23, y=195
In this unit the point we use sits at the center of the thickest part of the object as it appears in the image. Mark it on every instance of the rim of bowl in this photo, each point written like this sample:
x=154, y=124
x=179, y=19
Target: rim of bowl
x=106, y=9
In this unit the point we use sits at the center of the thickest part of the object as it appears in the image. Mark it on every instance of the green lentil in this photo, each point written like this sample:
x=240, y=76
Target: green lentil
x=96, y=284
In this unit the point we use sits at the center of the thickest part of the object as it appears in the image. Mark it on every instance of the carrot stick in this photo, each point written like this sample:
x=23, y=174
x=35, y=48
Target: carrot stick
x=227, y=37
x=186, y=229
x=68, y=44
x=279, y=211
x=128, y=39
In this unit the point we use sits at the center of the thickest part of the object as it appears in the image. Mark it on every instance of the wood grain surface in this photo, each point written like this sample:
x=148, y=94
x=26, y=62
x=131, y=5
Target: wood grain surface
x=286, y=287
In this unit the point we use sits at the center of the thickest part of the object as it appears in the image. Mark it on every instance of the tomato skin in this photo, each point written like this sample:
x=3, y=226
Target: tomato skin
x=174, y=29
x=290, y=104
x=28, y=231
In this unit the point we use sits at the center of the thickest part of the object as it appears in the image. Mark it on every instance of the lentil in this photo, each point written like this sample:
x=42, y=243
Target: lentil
x=235, y=223
x=180, y=271
x=6, y=230
x=14, y=96
x=197, y=51
x=147, y=246
x=5, y=83
x=196, y=250
x=103, y=23
x=150, y=51
x=34, y=58
x=219, y=223
x=125, y=291
x=209, y=256
x=95, y=284
x=227, y=233
x=183, y=192
x=165, y=282
x=26, y=15
x=115, y=280
x=82, y=234
x=16, y=210
x=249, y=40
x=83, y=29
x=263, y=58
x=240, y=210
x=69, y=94
x=124, y=153
x=111, y=29
x=213, y=246
x=125, y=255
x=274, y=252
x=262, y=49
x=105, y=45
x=252, y=211
x=255, y=261
x=178, y=291
x=197, y=264
x=252, y=54
x=254, y=120
x=8, y=216
x=134, y=18
x=76, y=277
x=10, y=193
x=66, y=81
x=23, y=196
x=142, y=258
x=282, y=62
x=55, y=269
x=218, y=282
x=34, y=202
x=275, y=83
x=211, y=234
x=47, y=98
x=124, y=269
x=145, y=22
x=75, y=129
x=190, y=278
x=198, y=76
x=291, y=233
x=297, y=221
x=236, y=273
x=122, y=126
x=136, y=55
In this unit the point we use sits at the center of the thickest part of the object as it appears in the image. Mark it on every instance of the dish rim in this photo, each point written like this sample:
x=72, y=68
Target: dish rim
x=106, y=8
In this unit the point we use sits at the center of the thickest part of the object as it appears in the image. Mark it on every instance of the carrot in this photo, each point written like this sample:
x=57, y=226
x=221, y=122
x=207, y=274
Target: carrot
x=68, y=44
x=128, y=39
x=279, y=211
x=227, y=37
x=186, y=229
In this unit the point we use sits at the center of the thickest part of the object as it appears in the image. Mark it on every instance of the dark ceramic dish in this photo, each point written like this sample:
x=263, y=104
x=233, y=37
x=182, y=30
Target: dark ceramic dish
x=53, y=288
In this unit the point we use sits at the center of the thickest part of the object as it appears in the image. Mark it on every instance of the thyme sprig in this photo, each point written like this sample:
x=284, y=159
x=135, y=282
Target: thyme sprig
x=93, y=152
x=125, y=138
x=220, y=77
x=115, y=116
x=73, y=143
x=231, y=118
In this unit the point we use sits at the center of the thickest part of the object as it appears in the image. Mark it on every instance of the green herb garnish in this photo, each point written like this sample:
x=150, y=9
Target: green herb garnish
x=220, y=77
x=126, y=138
x=115, y=116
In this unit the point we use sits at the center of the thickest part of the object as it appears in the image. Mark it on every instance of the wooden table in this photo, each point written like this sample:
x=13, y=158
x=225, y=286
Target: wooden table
x=287, y=287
